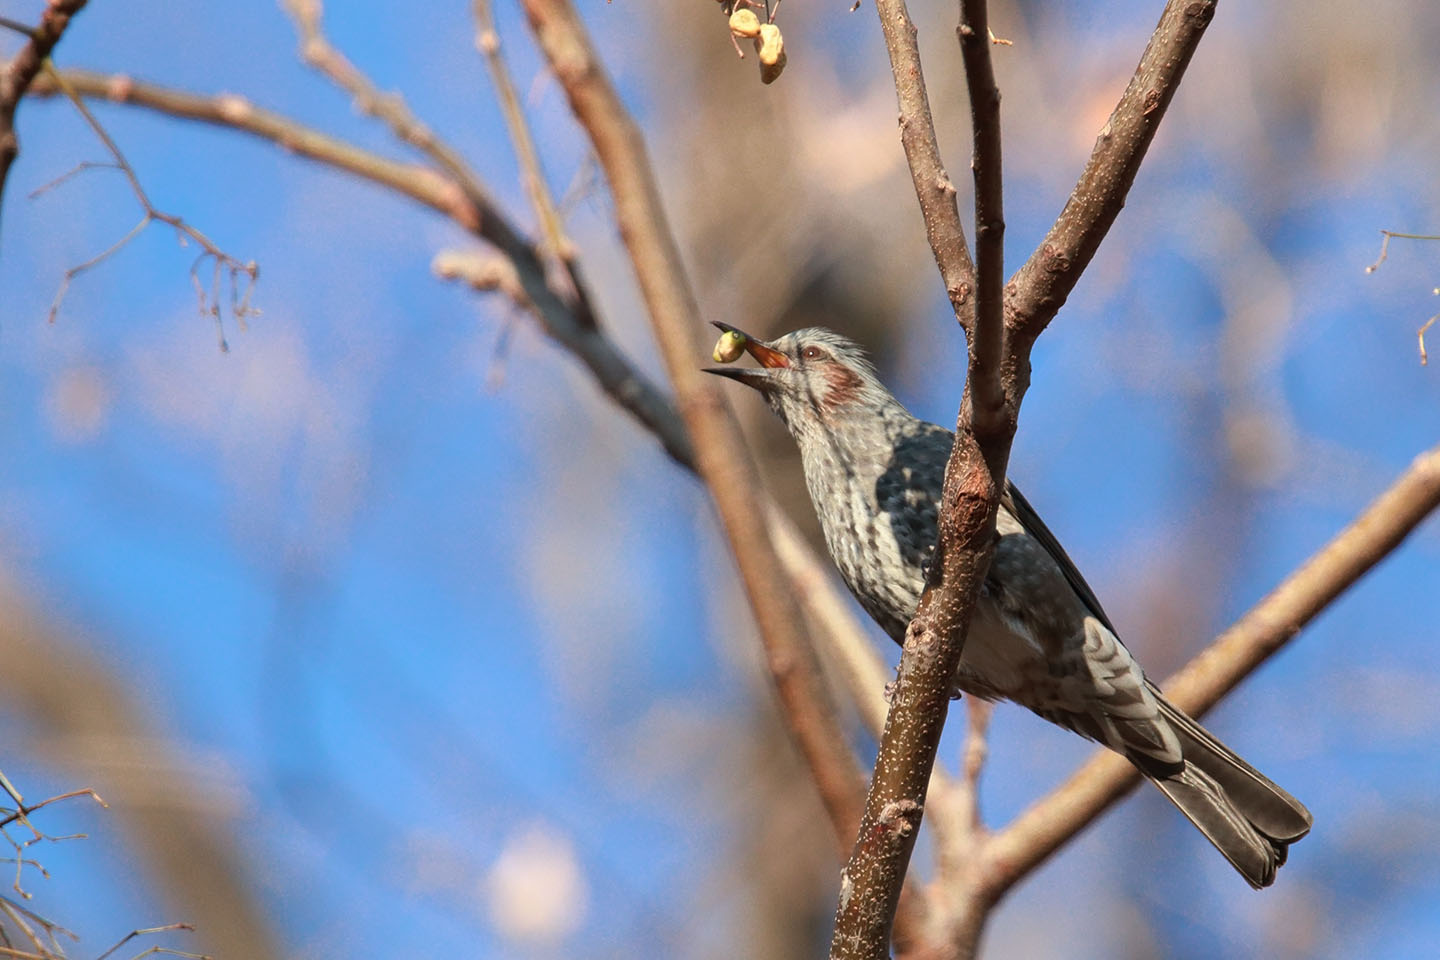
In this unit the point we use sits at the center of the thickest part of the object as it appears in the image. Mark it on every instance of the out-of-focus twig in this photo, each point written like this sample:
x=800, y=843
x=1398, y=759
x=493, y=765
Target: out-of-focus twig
x=240, y=293
x=1386, y=237
x=150, y=932
x=17, y=75
x=552, y=227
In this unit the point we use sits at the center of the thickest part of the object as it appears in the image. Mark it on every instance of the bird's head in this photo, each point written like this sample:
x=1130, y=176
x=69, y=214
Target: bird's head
x=810, y=376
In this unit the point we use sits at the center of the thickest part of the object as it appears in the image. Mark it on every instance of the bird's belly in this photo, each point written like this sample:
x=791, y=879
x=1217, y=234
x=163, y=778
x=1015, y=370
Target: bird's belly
x=997, y=660
x=998, y=663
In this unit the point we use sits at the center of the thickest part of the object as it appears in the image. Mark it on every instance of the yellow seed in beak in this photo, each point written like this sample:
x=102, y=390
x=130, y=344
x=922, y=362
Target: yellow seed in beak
x=729, y=347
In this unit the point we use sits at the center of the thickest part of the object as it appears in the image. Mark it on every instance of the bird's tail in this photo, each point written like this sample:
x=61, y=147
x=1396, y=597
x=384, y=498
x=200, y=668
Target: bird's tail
x=1247, y=817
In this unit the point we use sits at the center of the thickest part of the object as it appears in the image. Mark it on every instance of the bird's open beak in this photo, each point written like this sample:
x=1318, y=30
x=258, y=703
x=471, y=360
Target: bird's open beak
x=767, y=356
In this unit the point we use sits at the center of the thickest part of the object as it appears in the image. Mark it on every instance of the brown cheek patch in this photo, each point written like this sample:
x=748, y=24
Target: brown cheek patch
x=842, y=386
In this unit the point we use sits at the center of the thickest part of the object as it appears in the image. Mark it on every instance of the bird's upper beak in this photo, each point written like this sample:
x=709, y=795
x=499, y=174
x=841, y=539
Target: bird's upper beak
x=768, y=357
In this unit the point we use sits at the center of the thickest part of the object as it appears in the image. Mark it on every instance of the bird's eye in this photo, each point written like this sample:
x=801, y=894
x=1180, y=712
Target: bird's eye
x=812, y=353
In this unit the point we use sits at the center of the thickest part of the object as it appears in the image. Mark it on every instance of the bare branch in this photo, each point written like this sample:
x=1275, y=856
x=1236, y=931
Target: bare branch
x=987, y=395
x=151, y=931
x=552, y=227
x=720, y=452
x=1041, y=286
x=1273, y=622
x=1386, y=237
x=209, y=301
x=469, y=206
x=17, y=75
x=933, y=186
x=997, y=378
x=871, y=883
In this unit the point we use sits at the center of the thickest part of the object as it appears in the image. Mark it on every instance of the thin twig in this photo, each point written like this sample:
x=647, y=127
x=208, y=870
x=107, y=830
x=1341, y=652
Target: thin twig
x=487, y=41
x=1387, y=236
x=17, y=75
x=723, y=463
x=240, y=302
x=1048, y=824
x=572, y=325
x=150, y=931
x=70, y=174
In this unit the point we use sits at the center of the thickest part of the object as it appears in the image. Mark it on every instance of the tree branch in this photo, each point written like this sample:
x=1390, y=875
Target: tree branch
x=1273, y=622
x=998, y=375
x=986, y=392
x=552, y=227
x=719, y=447
x=933, y=186
x=21, y=71
x=873, y=878
x=468, y=205
x=1041, y=286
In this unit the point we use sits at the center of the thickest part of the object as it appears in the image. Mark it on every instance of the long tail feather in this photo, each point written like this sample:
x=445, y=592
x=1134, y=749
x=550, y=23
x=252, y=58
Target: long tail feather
x=1246, y=816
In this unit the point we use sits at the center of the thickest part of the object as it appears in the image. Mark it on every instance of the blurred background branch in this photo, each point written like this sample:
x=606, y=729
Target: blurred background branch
x=21, y=70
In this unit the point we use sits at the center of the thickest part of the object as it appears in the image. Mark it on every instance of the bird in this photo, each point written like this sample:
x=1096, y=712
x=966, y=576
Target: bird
x=1038, y=636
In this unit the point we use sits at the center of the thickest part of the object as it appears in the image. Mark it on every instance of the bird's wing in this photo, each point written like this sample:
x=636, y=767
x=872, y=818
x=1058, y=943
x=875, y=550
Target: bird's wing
x=1016, y=503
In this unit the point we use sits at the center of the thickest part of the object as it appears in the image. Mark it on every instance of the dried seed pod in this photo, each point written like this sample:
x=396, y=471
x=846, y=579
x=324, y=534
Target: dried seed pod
x=771, y=47
x=729, y=347
x=744, y=23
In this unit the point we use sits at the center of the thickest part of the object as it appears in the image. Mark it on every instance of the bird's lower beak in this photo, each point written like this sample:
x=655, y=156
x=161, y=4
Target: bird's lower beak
x=762, y=380
x=769, y=358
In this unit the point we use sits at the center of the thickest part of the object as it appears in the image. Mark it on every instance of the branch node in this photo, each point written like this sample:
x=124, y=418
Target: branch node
x=900, y=818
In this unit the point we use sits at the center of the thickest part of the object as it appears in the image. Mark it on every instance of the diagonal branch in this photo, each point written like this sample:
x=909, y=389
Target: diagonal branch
x=487, y=41
x=1273, y=622
x=17, y=75
x=933, y=187
x=1042, y=285
x=720, y=454
x=469, y=205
